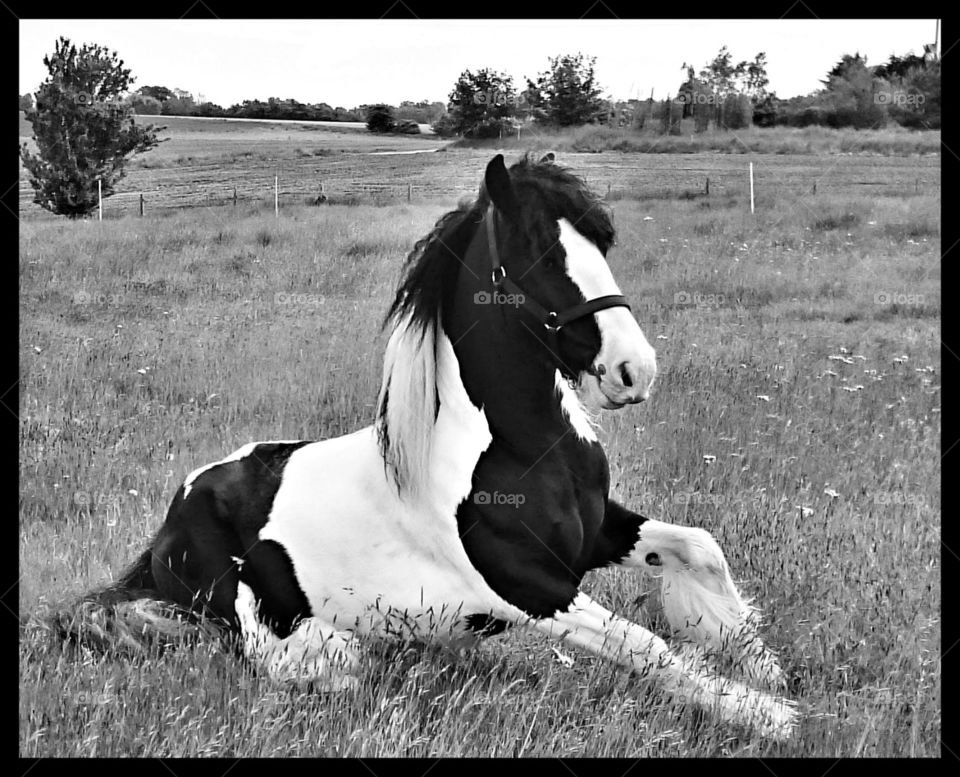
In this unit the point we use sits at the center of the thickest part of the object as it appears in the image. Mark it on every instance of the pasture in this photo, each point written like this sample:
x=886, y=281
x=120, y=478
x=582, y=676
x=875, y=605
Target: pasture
x=796, y=417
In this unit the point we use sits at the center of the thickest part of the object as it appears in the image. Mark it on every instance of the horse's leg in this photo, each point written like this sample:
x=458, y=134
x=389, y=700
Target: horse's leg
x=700, y=600
x=597, y=630
x=315, y=653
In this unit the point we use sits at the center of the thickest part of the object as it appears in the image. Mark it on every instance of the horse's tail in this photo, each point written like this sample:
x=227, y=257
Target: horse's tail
x=131, y=616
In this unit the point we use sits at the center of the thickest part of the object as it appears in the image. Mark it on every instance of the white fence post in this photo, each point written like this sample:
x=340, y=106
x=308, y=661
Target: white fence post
x=751, y=188
x=100, y=200
x=276, y=196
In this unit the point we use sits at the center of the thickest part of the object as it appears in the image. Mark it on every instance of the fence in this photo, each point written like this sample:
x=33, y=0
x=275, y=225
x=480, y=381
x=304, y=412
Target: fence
x=637, y=177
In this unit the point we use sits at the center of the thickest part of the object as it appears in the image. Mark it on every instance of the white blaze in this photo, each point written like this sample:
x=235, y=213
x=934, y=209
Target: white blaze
x=621, y=339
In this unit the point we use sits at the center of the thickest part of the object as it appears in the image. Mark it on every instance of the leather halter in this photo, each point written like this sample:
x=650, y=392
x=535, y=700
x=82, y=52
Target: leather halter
x=551, y=319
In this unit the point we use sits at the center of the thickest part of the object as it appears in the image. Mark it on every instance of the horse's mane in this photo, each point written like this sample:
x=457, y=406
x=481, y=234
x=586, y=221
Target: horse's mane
x=408, y=402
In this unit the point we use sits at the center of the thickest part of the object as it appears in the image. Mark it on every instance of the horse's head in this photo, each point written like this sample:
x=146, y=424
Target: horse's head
x=543, y=256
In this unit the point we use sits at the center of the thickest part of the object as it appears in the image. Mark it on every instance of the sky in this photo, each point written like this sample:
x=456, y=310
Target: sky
x=354, y=62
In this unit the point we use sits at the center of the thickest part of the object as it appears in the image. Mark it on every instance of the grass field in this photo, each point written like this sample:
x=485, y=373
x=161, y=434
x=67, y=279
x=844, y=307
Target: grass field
x=796, y=416
x=203, y=162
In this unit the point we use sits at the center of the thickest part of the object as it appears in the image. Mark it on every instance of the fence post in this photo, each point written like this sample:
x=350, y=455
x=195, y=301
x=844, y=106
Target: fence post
x=706, y=189
x=751, y=188
x=234, y=196
x=276, y=196
x=409, y=191
x=99, y=200
x=141, y=204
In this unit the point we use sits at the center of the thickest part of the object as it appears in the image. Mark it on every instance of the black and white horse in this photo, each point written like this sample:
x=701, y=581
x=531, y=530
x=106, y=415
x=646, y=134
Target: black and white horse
x=479, y=497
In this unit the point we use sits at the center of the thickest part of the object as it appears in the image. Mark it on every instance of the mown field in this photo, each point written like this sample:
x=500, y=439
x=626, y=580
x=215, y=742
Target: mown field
x=202, y=163
x=796, y=416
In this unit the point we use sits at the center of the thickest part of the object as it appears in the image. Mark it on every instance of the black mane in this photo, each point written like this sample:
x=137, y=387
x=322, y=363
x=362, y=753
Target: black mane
x=430, y=270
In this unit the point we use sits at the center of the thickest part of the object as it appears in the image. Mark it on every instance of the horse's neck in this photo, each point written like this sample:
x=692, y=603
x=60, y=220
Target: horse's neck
x=519, y=399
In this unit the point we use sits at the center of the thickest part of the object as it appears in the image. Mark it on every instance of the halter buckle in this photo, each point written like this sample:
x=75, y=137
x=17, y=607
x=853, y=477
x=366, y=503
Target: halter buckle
x=551, y=322
x=502, y=272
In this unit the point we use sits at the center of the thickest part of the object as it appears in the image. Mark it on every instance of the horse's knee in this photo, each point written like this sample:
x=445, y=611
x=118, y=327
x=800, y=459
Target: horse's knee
x=314, y=654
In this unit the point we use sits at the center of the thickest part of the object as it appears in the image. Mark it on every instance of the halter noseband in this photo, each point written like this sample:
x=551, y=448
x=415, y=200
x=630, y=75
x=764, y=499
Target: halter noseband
x=552, y=320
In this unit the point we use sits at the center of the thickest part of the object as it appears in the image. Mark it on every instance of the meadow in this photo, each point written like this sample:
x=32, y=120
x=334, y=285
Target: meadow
x=206, y=162
x=796, y=417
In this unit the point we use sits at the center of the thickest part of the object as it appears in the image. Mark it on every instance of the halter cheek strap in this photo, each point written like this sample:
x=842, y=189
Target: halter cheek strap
x=551, y=319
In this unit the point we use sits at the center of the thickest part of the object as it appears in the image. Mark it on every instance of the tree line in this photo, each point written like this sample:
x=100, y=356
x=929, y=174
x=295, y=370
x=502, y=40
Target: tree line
x=83, y=114
x=722, y=95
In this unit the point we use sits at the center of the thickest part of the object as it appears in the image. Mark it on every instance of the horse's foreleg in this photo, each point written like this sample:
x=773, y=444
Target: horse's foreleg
x=700, y=600
x=314, y=654
x=597, y=630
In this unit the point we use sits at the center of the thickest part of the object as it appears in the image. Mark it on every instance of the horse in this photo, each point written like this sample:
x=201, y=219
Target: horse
x=476, y=500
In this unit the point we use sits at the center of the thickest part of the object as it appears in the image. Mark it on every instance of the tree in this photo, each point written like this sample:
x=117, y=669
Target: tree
x=380, y=118
x=567, y=94
x=851, y=96
x=753, y=78
x=715, y=95
x=736, y=112
x=144, y=105
x=160, y=93
x=180, y=103
x=846, y=63
x=83, y=129
x=446, y=126
x=481, y=105
x=899, y=67
x=721, y=75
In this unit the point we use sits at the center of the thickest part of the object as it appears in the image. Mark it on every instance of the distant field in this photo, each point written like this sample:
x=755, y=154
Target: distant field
x=797, y=417
x=204, y=161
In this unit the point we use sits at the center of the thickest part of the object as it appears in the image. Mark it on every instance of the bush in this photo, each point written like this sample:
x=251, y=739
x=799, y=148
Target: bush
x=737, y=112
x=407, y=127
x=445, y=126
x=380, y=118
x=143, y=105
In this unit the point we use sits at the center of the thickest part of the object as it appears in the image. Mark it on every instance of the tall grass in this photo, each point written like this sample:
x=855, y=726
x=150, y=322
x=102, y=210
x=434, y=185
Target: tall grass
x=774, y=140
x=796, y=417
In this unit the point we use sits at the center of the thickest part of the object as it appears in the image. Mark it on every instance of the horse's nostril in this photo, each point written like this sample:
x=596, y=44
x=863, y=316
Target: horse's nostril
x=625, y=376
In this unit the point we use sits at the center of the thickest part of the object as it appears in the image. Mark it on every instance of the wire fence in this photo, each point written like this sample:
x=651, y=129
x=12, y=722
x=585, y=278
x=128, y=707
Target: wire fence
x=642, y=178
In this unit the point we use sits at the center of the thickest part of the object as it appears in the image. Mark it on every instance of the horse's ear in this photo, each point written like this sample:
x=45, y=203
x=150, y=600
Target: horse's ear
x=548, y=158
x=496, y=181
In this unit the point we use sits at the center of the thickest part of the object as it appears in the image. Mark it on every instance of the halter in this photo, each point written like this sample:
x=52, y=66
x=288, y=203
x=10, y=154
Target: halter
x=551, y=319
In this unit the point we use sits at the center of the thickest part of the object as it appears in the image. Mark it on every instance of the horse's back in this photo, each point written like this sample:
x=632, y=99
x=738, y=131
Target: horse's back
x=316, y=529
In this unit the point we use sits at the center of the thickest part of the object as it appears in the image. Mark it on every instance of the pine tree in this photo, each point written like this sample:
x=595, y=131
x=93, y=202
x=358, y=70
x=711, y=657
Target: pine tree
x=83, y=128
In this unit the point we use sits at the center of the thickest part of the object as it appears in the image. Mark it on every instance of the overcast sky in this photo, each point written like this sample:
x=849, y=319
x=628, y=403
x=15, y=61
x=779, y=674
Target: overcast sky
x=352, y=62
